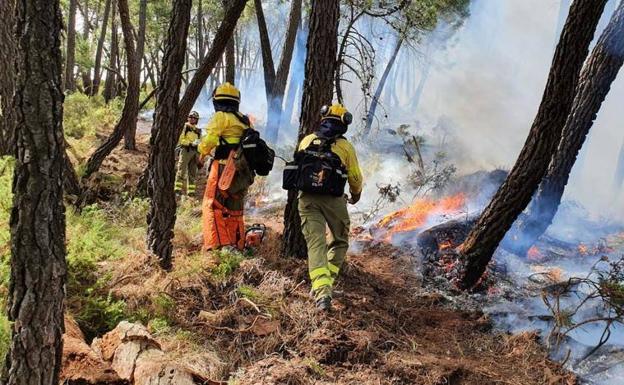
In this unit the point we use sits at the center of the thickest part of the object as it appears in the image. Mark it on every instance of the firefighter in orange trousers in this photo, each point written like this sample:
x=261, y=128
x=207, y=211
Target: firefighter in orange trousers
x=223, y=203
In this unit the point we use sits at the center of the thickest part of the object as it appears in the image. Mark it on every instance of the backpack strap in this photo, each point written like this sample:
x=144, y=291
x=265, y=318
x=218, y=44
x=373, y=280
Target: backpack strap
x=243, y=118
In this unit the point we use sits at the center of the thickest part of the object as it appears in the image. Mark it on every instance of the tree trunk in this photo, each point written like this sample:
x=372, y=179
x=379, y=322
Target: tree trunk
x=380, y=86
x=86, y=26
x=214, y=55
x=7, y=78
x=38, y=269
x=130, y=134
x=514, y=195
x=230, y=61
x=318, y=90
x=274, y=114
x=221, y=38
x=100, y=48
x=70, y=81
x=131, y=105
x=267, y=55
x=110, y=86
x=594, y=85
x=294, y=83
x=162, y=213
x=200, y=31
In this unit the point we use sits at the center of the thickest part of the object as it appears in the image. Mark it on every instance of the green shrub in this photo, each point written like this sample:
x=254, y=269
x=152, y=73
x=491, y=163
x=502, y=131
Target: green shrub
x=229, y=260
x=5, y=336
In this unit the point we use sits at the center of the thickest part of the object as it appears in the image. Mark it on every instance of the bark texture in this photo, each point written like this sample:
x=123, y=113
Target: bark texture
x=317, y=90
x=594, y=85
x=131, y=105
x=515, y=194
x=7, y=77
x=38, y=269
x=162, y=213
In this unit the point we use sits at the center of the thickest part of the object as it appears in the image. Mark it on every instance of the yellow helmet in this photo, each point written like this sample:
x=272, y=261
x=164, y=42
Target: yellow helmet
x=337, y=111
x=226, y=91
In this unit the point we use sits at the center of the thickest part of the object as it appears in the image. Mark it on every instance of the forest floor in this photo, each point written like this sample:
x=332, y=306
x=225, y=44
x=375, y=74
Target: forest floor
x=249, y=319
x=252, y=321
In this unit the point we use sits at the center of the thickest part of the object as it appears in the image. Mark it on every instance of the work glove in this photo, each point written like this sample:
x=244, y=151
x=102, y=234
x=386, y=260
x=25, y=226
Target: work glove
x=355, y=198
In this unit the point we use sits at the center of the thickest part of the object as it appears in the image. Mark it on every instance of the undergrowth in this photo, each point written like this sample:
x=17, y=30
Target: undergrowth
x=84, y=117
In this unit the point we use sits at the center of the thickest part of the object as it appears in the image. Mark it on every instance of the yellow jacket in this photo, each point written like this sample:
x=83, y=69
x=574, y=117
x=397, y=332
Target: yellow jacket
x=345, y=151
x=190, y=134
x=222, y=124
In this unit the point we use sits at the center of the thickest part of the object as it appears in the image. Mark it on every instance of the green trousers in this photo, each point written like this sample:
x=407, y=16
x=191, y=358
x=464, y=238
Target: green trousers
x=187, y=171
x=324, y=258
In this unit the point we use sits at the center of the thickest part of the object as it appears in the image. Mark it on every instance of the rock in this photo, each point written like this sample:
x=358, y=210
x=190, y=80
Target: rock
x=138, y=358
x=82, y=365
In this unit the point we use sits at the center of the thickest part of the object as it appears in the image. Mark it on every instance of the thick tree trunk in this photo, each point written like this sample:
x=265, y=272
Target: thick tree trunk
x=97, y=75
x=130, y=134
x=110, y=86
x=594, y=85
x=318, y=89
x=281, y=76
x=514, y=195
x=70, y=81
x=222, y=36
x=131, y=106
x=38, y=269
x=162, y=213
x=380, y=86
x=7, y=77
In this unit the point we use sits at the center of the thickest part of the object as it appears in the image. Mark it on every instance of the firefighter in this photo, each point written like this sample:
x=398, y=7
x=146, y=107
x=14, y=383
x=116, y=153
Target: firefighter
x=222, y=206
x=321, y=210
x=188, y=161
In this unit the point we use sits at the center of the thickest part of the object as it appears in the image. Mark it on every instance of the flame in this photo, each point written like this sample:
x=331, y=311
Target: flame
x=445, y=245
x=418, y=213
x=583, y=249
x=535, y=254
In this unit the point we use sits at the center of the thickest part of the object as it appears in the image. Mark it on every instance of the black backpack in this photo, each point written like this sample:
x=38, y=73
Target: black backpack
x=258, y=154
x=316, y=170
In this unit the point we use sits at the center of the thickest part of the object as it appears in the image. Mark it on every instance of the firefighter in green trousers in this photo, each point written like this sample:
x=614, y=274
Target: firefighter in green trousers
x=321, y=209
x=188, y=160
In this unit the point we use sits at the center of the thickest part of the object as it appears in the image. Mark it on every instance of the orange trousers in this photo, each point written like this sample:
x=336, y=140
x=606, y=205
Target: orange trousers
x=222, y=214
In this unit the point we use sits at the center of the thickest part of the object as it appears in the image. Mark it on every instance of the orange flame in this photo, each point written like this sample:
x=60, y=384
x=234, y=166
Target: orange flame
x=416, y=215
x=583, y=249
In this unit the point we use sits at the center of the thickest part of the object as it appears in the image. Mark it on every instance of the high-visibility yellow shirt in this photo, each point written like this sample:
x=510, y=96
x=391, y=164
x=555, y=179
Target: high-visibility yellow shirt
x=345, y=151
x=190, y=133
x=225, y=125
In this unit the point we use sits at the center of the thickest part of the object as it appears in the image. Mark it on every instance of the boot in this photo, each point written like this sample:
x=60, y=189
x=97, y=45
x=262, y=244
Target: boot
x=324, y=304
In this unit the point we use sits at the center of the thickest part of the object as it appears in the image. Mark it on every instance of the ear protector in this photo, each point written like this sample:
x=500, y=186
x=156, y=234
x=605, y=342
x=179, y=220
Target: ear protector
x=338, y=112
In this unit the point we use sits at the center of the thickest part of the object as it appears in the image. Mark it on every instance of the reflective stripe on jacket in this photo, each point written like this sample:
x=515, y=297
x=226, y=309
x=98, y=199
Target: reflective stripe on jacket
x=345, y=151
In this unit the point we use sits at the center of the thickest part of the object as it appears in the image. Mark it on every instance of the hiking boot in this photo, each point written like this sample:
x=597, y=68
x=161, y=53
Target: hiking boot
x=324, y=304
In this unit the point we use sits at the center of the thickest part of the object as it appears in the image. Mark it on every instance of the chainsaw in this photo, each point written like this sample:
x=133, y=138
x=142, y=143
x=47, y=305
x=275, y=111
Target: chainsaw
x=255, y=235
